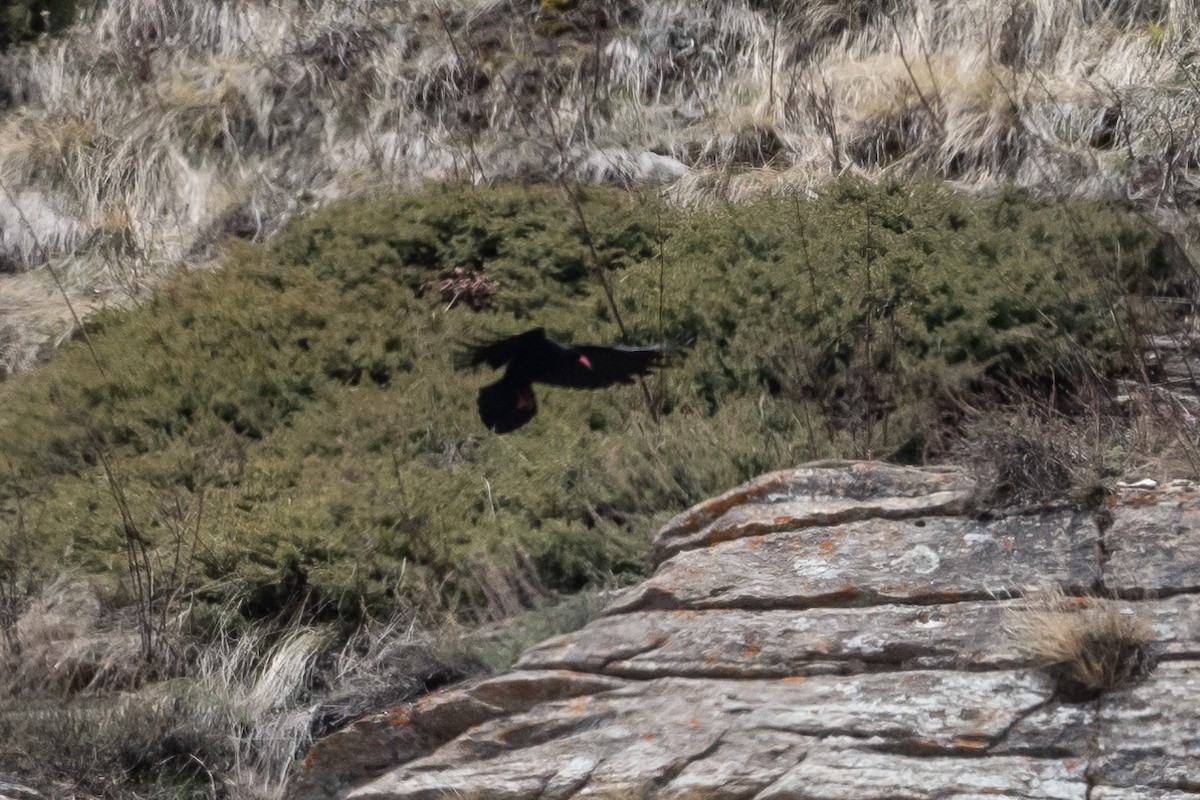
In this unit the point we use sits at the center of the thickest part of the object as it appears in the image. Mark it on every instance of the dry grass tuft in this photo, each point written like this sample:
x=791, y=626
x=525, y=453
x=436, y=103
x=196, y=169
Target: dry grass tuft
x=1030, y=453
x=1087, y=645
x=64, y=642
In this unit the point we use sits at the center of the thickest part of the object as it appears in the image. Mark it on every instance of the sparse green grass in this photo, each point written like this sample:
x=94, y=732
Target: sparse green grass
x=289, y=433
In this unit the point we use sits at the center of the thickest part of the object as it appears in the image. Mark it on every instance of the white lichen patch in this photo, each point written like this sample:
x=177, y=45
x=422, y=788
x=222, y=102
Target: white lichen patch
x=920, y=559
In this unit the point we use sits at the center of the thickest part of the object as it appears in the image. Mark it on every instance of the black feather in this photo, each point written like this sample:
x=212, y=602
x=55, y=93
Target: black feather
x=501, y=407
x=532, y=358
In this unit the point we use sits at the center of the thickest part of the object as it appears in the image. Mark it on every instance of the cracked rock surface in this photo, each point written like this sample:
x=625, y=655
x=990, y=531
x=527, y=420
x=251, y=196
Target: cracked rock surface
x=832, y=631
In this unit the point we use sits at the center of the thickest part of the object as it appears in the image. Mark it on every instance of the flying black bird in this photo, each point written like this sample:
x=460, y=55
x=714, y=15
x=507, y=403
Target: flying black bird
x=509, y=403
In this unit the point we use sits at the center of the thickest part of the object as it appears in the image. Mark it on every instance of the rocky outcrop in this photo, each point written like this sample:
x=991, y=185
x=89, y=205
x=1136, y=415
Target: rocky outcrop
x=832, y=631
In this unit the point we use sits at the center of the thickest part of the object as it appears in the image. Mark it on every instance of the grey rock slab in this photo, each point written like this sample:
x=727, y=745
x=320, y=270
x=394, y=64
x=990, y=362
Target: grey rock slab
x=1153, y=543
x=1140, y=793
x=822, y=493
x=1056, y=730
x=562, y=748
x=775, y=643
x=1174, y=624
x=1149, y=734
x=701, y=734
x=929, y=560
x=377, y=742
x=782, y=642
x=836, y=774
x=970, y=635
x=920, y=710
x=835, y=631
x=740, y=767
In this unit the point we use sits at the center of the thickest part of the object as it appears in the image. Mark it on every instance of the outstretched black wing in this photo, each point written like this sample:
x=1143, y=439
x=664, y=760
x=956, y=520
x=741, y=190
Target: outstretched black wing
x=604, y=366
x=506, y=405
x=499, y=352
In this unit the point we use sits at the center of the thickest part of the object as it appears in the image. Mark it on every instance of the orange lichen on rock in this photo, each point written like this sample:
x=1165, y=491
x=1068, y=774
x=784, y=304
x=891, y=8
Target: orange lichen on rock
x=707, y=511
x=848, y=591
x=1141, y=498
x=972, y=743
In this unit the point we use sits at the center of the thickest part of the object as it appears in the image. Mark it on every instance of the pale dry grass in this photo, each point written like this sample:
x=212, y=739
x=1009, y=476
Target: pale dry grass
x=64, y=642
x=1087, y=645
x=253, y=689
x=1162, y=439
x=240, y=709
x=233, y=711
x=157, y=128
x=34, y=319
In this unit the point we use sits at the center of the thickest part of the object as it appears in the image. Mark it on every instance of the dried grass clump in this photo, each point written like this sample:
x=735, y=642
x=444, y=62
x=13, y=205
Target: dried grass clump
x=236, y=715
x=468, y=286
x=1028, y=454
x=1087, y=645
x=64, y=641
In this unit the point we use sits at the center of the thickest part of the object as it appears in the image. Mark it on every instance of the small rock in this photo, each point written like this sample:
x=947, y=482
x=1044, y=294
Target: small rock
x=659, y=170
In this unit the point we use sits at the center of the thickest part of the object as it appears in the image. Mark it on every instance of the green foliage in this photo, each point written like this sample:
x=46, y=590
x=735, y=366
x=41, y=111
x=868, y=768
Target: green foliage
x=159, y=745
x=21, y=20
x=299, y=410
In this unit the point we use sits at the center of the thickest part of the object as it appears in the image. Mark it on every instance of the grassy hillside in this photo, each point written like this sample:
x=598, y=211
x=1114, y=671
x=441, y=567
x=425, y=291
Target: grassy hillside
x=268, y=490
x=149, y=131
x=244, y=504
x=290, y=432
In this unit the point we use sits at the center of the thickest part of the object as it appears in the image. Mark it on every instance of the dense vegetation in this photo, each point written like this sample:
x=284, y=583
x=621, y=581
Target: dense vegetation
x=21, y=20
x=290, y=433
x=152, y=129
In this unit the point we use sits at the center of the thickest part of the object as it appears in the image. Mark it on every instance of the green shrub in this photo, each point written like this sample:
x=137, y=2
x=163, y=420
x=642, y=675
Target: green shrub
x=298, y=411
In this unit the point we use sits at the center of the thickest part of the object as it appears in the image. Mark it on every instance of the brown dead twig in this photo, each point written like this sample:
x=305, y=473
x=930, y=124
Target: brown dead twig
x=469, y=286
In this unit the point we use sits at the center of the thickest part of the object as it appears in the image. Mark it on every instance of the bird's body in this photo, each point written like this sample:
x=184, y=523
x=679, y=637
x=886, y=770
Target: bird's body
x=531, y=358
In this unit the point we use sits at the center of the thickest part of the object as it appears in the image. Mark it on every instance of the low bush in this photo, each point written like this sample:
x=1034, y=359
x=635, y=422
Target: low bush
x=289, y=434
